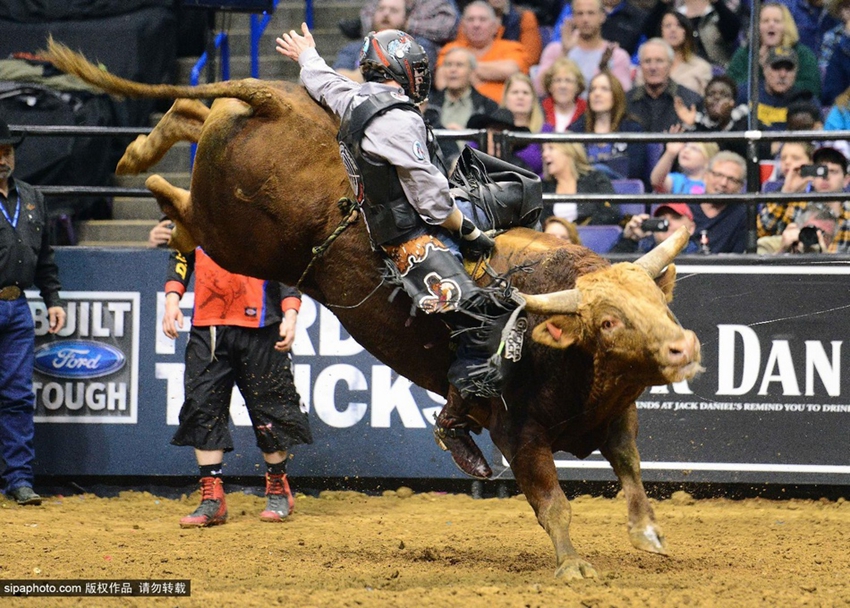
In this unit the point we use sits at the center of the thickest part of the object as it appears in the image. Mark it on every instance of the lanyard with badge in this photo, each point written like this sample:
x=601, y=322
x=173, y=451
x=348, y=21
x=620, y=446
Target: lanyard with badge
x=12, y=220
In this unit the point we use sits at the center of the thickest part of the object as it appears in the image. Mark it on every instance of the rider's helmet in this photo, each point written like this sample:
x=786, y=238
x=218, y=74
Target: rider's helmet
x=395, y=55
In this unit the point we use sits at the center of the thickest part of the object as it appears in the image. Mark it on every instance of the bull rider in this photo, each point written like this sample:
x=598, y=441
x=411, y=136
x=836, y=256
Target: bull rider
x=392, y=161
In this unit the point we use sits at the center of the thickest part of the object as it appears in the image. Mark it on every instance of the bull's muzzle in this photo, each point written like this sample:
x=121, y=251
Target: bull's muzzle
x=681, y=357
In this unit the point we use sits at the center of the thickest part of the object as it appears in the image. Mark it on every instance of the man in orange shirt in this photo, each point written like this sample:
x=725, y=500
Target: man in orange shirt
x=518, y=24
x=497, y=59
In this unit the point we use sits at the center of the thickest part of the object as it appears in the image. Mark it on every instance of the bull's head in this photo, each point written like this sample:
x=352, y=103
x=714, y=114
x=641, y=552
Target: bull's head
x=620, y=313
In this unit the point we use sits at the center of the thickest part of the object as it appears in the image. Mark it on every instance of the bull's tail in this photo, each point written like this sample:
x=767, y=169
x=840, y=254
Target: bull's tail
x=254, y=92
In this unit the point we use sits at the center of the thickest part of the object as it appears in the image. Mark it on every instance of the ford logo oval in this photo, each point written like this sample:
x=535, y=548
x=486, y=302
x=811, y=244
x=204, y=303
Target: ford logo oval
x=78, y=359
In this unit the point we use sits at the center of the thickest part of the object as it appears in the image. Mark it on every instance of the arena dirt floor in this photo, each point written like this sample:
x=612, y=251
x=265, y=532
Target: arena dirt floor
x=431, y=549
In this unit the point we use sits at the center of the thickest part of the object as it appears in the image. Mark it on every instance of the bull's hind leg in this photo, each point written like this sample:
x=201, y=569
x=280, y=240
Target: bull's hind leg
x=620, y=449
x=183, y=122
x=536, y=475
x=176, y=203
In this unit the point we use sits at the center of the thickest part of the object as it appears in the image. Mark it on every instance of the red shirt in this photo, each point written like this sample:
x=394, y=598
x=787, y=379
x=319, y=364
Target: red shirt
x=225, y=298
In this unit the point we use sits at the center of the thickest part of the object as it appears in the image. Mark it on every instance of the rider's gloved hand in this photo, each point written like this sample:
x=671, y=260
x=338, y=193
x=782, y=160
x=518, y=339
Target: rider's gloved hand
x=474, y=244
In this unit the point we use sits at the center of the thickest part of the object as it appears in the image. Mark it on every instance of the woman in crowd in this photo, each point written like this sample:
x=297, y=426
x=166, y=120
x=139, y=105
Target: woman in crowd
x=715, y=27
x=693, y=160
x=568, y=171
x=519, y=99
x=599, y=55
x=777, y=28
x=689, y=69
x=773, y=218
x=562, y=105
x=605, y=114
x=561, y=228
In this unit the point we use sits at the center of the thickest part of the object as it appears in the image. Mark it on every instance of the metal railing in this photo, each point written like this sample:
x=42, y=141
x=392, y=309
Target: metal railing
x=752, y=197
x=258, y=24
x=258, y=28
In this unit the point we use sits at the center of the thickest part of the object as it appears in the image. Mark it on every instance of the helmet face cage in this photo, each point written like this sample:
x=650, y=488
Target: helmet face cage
x=394, y=55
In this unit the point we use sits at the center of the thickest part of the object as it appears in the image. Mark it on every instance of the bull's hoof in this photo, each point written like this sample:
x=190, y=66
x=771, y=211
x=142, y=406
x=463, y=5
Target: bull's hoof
x=130, y=163
x=575, y=569
x=649, y=538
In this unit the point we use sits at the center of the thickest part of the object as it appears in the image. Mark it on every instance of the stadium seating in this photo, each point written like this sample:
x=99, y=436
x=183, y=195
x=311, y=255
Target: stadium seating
x=629, y=186
x=599, y=238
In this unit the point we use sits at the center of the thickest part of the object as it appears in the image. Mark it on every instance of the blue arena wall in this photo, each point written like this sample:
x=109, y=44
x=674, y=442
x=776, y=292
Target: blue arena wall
x=772, y=406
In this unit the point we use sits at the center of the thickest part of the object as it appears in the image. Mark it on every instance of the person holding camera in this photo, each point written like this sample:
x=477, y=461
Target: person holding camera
x=773, y=218
x=836, y=179
x=822, y=170
x=642, y=233
x=814, y=234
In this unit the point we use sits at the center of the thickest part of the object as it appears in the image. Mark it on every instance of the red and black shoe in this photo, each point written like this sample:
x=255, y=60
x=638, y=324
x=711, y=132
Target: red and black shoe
x=453, y=436
x=279, y=500
x=213, y=509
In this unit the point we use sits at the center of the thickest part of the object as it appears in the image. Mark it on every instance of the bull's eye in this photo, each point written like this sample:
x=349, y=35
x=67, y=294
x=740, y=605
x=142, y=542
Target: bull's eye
x=607, y=324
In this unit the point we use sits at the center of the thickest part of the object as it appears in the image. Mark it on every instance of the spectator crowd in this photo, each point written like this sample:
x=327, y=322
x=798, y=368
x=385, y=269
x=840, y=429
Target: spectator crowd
x=643, y=66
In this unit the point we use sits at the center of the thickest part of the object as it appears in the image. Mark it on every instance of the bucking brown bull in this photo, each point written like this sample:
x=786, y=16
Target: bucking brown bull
x=264, y=193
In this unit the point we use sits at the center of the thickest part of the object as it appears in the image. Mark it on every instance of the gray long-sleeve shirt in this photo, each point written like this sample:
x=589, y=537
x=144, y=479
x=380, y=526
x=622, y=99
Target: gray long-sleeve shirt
x=397, y=137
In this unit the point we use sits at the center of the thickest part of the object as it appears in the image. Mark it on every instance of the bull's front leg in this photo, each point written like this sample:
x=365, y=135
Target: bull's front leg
x=620, y=449
x=176, y=203
x=534, y=469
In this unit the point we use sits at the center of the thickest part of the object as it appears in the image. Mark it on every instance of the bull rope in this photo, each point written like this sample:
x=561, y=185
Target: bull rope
x=350, y=211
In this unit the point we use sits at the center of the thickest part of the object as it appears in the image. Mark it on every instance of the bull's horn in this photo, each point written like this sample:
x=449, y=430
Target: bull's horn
x=557, y=302
x=654, y=261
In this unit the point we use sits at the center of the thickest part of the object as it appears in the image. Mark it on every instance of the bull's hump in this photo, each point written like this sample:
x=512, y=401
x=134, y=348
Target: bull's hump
x=524, y=240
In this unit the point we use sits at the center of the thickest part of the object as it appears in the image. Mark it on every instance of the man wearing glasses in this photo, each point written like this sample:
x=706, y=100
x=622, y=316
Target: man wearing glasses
x=725, y=225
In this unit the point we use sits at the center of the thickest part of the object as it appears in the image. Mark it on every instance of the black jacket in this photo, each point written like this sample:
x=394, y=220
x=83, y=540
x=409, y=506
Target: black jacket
x=658, y=115
x=434, y=112
x=26, y=257
x=434, y=118
x=595, y=182
x=625, y=25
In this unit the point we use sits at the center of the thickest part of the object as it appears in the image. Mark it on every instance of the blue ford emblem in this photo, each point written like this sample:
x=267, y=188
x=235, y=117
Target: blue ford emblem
x=78, y=359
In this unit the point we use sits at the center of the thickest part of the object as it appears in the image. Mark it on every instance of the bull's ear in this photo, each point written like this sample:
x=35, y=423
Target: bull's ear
x=666, y=281
x=560, y=331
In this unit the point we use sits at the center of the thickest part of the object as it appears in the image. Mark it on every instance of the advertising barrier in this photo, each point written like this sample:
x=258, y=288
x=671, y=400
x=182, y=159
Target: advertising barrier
x=773, y=404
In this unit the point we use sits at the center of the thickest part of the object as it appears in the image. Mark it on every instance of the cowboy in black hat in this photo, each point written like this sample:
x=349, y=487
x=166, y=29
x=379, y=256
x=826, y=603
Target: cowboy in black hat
x=7, y=161
x=26, y=258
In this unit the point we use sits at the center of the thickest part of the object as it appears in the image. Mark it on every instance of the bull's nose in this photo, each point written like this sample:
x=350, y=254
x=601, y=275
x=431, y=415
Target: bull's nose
x=684, y=350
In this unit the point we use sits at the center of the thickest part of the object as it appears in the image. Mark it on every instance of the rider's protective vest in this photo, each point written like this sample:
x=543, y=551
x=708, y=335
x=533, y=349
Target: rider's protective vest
x=388, y=213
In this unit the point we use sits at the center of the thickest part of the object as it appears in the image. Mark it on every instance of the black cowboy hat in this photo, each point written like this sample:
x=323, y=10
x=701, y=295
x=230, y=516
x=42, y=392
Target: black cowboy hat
x=501, y=118
x=6, y=138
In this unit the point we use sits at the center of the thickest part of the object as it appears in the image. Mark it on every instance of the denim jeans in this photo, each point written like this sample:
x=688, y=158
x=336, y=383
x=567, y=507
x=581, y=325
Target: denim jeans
x=17, y=403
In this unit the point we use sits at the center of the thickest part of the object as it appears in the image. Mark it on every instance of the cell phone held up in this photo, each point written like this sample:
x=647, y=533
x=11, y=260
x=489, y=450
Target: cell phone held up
x=814, y=171
x=655, y=224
